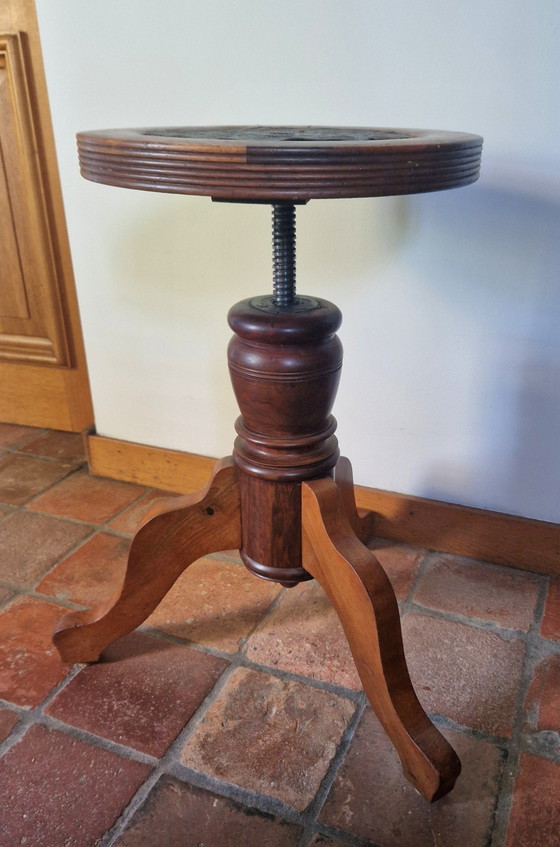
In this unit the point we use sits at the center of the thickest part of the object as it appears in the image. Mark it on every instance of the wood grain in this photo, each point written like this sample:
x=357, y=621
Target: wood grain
x=271, y=529
x=362, y=595
x=519, y=542
x=285, y=369
x=362, y=521
x=172, y=536
x=142, y=464
x=35, y=395
x=280, y=163
x=39, y=321
x=39, y=316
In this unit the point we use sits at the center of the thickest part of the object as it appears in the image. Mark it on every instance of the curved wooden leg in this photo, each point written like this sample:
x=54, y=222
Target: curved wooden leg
x=361, y=520
x=174, y=534
x=361, y=593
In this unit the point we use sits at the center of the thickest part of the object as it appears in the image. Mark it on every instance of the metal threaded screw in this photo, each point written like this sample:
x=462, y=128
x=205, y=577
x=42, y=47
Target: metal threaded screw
x=284, y=254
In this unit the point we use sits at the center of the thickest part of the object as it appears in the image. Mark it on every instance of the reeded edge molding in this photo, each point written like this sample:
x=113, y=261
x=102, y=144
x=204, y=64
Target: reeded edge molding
x=518, y=542
x=413, y=161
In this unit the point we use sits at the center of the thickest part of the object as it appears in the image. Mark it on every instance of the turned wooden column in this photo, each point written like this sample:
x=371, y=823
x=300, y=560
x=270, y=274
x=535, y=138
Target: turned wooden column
x=285, y=368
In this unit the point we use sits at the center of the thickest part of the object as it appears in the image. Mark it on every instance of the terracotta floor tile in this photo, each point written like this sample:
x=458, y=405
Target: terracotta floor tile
x=303, y=635
x=400, y=563
x=57, y=790
x=542, y=705
x=8, y=720
x=214, y=603
x=128, y=520
x=30, y=544
x=92, y=573
x=179, y=815
x=478, y=590
x=141, y=694
x=12, y=435
x=23, y=477
x=269, y=735
x=87, y=498
x=535, y=817
x=470, y=675
x=371, y=799
x=551, y=620
x=66, y=446
x=29, y=664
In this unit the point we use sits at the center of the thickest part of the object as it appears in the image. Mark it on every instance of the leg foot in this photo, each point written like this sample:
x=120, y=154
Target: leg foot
x=172, y=536
x=361, y=593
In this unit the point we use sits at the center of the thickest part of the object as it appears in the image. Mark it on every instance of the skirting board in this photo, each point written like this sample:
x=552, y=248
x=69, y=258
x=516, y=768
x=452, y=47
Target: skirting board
x=476, y=533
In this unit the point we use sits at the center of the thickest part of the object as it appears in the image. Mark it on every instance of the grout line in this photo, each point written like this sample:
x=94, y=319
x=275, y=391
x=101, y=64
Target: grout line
x=171, y=764
x=74, y=470
x=321, y=685
x=324, y=789
x=122, y=750
x=240, y=659
x=244, y=796
x=341, y=835
x=443, y=722
x=26, y=507
x=69, y=552
x=508, y=633
x=76, y=463
x=20, y=591
x=420, y=571
x=93, y=527
x=27, y=439
x=98, y=526
x=29, y=716
x=270, y=609
x=7, y=600
x=136, y=803
x=549, y=646
x=192, y=725
x=504, y=802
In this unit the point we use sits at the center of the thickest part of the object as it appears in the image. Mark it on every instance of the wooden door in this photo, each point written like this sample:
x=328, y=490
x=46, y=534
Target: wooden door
x=43, y=375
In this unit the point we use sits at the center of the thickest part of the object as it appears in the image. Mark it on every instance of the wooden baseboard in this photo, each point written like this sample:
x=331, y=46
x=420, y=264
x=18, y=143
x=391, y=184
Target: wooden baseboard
x=523, y=543
x=491, y=536
x=152, y=466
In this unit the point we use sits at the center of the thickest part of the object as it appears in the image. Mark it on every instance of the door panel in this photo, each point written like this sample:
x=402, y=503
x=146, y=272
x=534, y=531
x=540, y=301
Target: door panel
x=32, y=326
x=43, y=375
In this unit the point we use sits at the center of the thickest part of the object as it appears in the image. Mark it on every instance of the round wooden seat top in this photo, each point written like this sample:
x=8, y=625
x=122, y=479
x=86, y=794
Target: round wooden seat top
x=274, y=164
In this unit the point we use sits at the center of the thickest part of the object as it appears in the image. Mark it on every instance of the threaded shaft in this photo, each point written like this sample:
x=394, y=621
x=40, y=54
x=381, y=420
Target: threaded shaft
x=284, y=254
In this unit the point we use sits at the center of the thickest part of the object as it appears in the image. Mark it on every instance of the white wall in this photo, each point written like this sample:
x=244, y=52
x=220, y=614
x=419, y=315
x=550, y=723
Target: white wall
x=451, y=301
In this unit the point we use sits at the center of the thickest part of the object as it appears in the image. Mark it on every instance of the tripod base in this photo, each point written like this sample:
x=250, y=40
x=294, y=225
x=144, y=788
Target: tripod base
x=183, y=529
x=285, y=501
